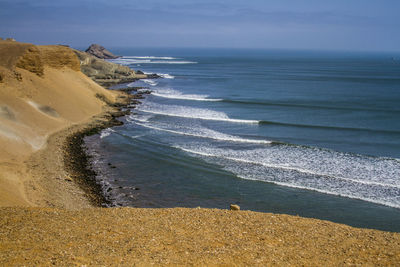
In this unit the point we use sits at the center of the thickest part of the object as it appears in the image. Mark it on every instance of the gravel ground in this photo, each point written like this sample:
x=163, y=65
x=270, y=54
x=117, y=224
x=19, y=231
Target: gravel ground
x=131, y=236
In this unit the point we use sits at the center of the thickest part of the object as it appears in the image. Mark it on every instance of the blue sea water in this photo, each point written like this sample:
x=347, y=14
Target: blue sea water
x=299, y=132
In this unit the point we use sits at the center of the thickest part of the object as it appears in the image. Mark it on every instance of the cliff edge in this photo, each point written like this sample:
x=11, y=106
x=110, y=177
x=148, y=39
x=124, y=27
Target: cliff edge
x=42, y=91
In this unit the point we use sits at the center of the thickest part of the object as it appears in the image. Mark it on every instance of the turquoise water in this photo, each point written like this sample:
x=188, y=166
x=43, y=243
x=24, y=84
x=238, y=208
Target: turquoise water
x=310, y=133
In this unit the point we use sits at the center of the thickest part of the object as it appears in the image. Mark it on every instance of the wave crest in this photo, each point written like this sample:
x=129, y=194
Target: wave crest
x=200, y=132
x=149, y=60
x=174, y=94
x=189, y=112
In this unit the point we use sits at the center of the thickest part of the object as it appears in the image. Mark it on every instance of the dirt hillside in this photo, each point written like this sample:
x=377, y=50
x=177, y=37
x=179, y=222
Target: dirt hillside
x=41, y=91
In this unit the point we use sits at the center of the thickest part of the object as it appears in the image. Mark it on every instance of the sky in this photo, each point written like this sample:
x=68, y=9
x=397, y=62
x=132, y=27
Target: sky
x=359, y=25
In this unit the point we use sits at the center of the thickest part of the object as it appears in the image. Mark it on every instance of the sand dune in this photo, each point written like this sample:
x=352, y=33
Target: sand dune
x=41, y=92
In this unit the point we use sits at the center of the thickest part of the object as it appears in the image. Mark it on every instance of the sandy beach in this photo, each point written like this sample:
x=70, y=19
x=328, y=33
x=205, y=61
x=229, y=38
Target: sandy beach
x=49, y=210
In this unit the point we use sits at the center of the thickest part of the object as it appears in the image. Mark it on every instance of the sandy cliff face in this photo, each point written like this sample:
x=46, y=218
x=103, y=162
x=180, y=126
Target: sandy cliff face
x=41, y=91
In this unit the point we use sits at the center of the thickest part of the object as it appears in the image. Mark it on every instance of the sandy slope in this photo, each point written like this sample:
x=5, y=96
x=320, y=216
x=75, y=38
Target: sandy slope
x=41, y=92
x=128, y=236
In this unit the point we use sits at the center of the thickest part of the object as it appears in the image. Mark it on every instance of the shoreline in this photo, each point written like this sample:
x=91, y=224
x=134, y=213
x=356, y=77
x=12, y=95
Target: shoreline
x=62, y=176
x=76, y=158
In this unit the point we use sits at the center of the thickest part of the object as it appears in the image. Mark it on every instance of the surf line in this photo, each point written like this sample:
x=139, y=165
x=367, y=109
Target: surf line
x=227, y=138
x=187, y=97
x=200, y=117
x=300, y=170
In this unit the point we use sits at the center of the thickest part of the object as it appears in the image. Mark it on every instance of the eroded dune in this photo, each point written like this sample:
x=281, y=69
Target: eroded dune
x=41, y=91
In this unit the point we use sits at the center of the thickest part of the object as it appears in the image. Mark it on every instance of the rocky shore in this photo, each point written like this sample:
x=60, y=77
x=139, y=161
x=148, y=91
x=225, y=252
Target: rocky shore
x=76, y=160
x=105, y=73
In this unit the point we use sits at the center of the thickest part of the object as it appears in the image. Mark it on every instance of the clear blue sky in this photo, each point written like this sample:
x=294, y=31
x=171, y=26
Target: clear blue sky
x=289, y=24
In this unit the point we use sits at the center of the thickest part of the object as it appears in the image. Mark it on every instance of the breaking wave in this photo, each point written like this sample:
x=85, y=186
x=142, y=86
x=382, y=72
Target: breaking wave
x=174, y=94
x=189, y=112
x=336, y=173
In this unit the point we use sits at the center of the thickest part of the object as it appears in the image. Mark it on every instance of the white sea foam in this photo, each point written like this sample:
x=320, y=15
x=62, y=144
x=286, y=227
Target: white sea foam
x=361, y=177
x=149, y=57
x=150, y=82
x=139, y=117
x=172, y=62
x=174, y=94
x=200, y=132
x=106, y=132
x=134, y=136
x=166, y=75
x=128, y=61
x=291, y=168
x=189, y=112
x=149, y=60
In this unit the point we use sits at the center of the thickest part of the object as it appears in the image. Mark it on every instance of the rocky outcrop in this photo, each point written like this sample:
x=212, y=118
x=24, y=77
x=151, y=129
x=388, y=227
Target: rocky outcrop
x=36, y=58
x=31, y=61
x=59, y=56
x=106, y=73
x=100, y=52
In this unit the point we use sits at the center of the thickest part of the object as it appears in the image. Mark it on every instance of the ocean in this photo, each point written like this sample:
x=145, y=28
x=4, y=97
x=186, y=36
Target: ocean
x=314, y=134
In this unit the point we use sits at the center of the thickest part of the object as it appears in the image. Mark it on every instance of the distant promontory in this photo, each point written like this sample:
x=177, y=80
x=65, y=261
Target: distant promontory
x=100, y=52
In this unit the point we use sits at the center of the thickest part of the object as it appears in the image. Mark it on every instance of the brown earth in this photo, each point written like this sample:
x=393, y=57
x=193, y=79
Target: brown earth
x=129, y=236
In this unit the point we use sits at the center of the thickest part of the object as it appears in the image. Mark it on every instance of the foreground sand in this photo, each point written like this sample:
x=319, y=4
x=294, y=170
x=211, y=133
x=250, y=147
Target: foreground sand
x=44, y=101
x=127, y=236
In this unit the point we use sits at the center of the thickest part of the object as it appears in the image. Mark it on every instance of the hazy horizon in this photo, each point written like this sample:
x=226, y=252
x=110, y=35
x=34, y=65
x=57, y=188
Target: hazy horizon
x=288, y=25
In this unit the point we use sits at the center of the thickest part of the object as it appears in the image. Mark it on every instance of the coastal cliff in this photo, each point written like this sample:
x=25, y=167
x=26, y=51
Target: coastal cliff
x=41, y=92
